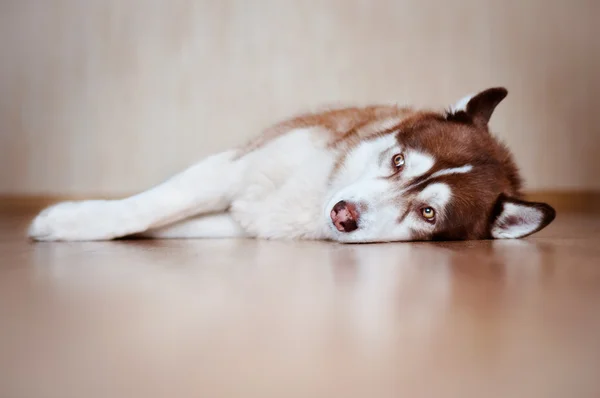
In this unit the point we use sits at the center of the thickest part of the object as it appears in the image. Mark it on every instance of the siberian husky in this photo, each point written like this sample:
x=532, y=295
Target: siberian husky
x=371, y=174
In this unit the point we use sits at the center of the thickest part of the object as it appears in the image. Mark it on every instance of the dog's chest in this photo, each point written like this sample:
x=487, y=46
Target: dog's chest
x=283, y=190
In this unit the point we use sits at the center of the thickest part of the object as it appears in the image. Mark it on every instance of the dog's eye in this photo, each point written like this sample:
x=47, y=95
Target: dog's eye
x=398, y=161
x=428, y=213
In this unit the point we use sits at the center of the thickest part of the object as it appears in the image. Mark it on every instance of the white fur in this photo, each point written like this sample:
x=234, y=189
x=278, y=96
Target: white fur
x=529, y=218
x=461, y=105
x=284, y=187
x=456, y=170
x=221, y=225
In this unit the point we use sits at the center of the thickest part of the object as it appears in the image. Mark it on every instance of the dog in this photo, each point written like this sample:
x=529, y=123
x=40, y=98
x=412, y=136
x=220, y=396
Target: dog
x=352, y=175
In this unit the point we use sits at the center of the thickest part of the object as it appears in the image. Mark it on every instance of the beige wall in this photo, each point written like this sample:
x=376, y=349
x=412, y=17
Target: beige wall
x=111, y=96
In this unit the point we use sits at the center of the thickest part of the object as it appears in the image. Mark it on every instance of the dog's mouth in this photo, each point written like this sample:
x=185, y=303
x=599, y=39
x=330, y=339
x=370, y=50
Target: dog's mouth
x=344, y=216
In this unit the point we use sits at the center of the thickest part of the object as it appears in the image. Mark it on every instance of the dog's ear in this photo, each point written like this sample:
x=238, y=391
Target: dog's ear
x=514, y=218
x=480, y=107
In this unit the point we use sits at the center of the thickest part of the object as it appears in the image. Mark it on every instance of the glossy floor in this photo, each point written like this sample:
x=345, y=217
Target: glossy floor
x=253, y=318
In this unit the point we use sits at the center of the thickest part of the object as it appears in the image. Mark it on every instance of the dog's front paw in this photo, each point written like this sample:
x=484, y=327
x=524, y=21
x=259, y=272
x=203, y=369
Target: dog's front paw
x=76, y=221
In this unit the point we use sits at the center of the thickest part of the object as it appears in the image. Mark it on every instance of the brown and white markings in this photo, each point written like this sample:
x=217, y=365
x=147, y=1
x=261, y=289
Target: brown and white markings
x=373, y=174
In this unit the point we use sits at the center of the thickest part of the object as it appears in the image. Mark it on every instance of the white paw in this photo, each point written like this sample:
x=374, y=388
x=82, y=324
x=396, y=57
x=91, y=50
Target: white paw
x=78, y=221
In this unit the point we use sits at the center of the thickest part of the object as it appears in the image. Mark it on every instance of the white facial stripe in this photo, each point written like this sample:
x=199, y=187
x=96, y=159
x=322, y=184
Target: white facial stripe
x=436, y=195
x=456, y=170
x=417, y=164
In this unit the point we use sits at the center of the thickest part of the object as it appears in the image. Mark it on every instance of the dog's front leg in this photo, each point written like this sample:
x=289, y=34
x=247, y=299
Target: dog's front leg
x=207, y=186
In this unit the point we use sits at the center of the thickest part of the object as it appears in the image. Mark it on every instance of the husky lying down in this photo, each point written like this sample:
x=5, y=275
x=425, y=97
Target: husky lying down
x=372, y=174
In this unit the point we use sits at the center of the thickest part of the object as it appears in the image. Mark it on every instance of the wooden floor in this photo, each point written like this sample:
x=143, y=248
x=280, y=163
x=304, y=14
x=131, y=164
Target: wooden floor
x=245, y=318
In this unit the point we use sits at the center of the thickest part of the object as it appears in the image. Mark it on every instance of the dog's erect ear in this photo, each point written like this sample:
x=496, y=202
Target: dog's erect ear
x=480, y=107
x=516, y=218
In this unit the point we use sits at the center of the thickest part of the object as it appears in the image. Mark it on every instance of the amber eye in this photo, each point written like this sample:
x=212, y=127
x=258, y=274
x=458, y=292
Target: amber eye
x=398, y=160
x=428, y=213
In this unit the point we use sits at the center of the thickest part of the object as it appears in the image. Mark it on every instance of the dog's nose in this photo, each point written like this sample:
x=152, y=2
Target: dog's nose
x=344, y=216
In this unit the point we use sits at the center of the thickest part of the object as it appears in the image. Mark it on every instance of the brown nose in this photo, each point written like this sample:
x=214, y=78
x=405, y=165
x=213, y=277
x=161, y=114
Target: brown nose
x=344, y=216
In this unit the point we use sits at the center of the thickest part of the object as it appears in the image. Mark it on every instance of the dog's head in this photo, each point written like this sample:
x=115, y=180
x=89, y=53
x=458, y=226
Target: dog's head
x=434, y=176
